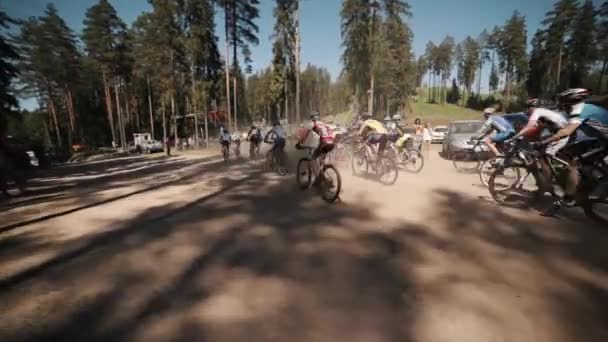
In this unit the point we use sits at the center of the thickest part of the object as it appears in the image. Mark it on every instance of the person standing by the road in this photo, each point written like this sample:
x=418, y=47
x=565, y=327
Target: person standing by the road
x=418, y=127
x=426, y=139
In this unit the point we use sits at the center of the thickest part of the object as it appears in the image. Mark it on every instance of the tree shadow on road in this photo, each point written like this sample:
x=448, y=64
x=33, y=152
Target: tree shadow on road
x=259, y=260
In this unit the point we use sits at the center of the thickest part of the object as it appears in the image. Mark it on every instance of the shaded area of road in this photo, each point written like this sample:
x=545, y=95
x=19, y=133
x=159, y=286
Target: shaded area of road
x=258, y=260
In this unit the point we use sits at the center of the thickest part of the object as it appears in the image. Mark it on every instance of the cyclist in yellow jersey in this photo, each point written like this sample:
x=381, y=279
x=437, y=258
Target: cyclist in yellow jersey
x=374, y=133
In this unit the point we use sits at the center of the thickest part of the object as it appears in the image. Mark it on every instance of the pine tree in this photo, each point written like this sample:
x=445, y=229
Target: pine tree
x=537, y=66
x=355, y=30
x=8, y=71
x=103, y=30
x=401, y=61
x=512, y=51
x=559, y=24
x=241, y=32
x=581, y=46
x=445, y=63
x=285, y=39
x=602, y=34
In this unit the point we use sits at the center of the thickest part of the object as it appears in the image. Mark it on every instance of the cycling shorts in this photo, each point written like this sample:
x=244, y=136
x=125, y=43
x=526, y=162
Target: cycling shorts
x=225, y=142
x=278, y=144
x=502, y=136
x=376, y=138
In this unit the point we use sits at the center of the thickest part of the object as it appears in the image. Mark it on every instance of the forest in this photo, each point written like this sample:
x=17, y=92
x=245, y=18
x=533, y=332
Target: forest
x=167, y=73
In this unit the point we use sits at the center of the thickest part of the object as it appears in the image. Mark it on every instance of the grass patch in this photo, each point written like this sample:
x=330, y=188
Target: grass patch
x=441, y=114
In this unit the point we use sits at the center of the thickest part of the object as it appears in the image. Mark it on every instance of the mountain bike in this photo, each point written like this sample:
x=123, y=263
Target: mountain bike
x=477, y=159
x=254, y=149
x=322, y=174
x=520, y=182
x=226, y=152
x=237, y=148
x=364, y=160
x=275, y=161
x=407, y=153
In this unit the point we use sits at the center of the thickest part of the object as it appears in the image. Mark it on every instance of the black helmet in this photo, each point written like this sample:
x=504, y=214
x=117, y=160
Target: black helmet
x=314, y=116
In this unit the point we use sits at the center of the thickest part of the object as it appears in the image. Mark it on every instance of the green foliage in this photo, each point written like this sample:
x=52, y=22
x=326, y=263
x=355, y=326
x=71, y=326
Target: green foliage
x=581, y=46
x=454, y=93
x=8, y=71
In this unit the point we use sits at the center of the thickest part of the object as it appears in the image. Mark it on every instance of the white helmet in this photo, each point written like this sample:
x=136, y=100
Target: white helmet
x=488, y=111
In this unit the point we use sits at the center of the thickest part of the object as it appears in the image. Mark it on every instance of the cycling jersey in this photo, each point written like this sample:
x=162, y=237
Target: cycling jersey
x=555, y=119
x=372, y=126
x=254, y=134
x=499, y=124
x=593, y=120
x=278, y=135
x=325, y=132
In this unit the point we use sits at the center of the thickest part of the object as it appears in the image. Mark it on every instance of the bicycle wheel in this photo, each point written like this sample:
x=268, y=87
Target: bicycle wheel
x=466, y=161
x=304, y=173
x=268, y=161
x=487, y=167
x=514, y=186
x=387, y=171
x=413, y=161
x=359, y=164
x=594, y=201
x=331, y=183
x=225, y=152
x=279, y=163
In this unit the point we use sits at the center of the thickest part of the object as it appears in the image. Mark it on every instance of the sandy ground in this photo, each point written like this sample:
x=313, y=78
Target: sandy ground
x=193, y=249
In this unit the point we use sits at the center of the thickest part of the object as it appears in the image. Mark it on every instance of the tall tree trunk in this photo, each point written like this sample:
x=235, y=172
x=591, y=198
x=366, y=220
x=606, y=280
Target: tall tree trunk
x=70, y=109
x=479, y=80
x=235, y=109
x=286, y=95
x=600, y=83
x=559, y=66
x=174, y=117
x=119, y=114
x=428, y=88
x=164, y=119
x=297, y=61
x=194, y=107
x=136, y=109
x=228, y=99
x=55, y=121
x=108, y=96
x=206, y=125
x=150, y=107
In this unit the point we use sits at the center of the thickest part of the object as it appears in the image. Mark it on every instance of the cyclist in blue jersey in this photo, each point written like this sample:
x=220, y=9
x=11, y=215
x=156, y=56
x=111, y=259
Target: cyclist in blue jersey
x=277, y=137
x=587, y=122
x=495, y=123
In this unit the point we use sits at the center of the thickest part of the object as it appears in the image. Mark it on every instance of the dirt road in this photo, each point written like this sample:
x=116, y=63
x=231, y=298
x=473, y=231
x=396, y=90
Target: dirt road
x=195, y=250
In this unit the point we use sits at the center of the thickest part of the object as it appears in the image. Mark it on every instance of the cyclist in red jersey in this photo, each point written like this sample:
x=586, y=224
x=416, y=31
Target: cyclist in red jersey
x=326, y=136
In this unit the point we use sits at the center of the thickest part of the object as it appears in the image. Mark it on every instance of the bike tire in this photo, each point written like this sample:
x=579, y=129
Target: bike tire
x=514, y=195
x=280, y=166
x=465, y=161
x=359, y=164
x=386, y=164
x=410, y=166
x=485, y=170
x=595, y=205
x=304, y=173
x=325, y=194
x=268, y=162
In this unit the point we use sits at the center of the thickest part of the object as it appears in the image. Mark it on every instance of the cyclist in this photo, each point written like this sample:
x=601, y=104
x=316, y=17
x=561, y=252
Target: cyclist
x=236, y=137
x=225, y=138
x=277, y=137
x=495, y=123
x=374, y=133
x=254, y=136
x=542, y=118
x=587, y=122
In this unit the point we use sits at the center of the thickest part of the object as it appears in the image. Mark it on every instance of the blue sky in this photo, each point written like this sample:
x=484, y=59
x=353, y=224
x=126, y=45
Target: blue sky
x=320, y=22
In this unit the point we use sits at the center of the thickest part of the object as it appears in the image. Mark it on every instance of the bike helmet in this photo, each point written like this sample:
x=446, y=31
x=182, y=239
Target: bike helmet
x=573, y=96
x=488, y=111
x=314, y=116
x=532, y=103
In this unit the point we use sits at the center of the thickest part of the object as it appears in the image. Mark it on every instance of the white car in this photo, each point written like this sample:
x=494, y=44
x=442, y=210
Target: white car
x=151, y=146
x=439, y=133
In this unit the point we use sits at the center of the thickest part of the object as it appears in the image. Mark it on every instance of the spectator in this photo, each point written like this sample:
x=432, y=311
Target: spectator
x=426, y=139
x=418, y=127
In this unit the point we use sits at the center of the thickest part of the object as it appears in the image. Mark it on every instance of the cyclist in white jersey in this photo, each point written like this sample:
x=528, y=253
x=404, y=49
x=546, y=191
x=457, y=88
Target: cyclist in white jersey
x=541, y=118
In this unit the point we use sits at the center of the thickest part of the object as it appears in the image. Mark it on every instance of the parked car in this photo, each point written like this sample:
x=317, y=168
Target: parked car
x=438, y=134
x=459, y=136
x=152, y=146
